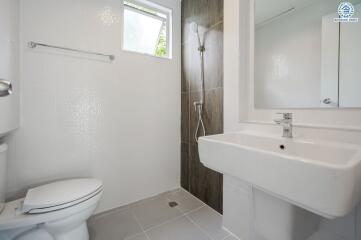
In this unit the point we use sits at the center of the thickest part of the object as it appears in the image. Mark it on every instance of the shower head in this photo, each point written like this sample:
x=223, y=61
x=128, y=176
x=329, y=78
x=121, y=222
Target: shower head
x=194, y=27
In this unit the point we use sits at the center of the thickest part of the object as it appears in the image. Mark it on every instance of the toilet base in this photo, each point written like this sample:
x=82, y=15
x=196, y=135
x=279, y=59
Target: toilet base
x=79, y=233
x=71, y=228
x=40, y=233
x=65, y=224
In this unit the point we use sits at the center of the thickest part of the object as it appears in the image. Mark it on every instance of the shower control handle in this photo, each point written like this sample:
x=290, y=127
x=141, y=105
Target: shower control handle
x=6, y=88
x=197, y=105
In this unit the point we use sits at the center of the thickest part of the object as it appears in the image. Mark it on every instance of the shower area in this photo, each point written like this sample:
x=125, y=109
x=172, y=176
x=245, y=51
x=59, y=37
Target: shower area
x=202, y=94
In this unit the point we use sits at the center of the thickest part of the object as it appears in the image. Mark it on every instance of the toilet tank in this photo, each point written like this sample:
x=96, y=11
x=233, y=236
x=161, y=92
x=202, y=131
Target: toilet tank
x=3, y=160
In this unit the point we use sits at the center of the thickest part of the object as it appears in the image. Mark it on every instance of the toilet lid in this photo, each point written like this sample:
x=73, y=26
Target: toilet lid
x=60, y=194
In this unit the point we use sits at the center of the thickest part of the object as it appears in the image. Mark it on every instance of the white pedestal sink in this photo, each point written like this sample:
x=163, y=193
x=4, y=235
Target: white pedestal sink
x=322, y=177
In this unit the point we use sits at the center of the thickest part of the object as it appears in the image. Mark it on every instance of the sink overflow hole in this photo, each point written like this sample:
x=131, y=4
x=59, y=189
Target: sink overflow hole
x=173, y=204
x=282, y=147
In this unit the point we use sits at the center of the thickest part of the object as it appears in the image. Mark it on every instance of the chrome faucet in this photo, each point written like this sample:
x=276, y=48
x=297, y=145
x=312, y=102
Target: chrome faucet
x=286, y=122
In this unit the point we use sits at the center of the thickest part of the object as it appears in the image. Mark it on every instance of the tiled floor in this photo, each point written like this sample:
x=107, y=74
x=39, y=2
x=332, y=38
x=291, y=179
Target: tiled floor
x=154, y=219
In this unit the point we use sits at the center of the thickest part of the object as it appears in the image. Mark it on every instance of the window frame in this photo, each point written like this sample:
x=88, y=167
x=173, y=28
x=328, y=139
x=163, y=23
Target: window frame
x=167, y=21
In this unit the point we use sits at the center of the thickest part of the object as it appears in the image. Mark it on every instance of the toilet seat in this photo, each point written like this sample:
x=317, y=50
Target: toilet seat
x=59, y=195
x=13, y=215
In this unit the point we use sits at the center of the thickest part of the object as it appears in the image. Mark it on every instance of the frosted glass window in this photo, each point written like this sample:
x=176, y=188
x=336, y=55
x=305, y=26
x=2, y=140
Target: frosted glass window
x=146, y=30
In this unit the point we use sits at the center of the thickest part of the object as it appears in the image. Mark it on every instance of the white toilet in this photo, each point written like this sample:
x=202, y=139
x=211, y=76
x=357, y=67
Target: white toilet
x=55, y=211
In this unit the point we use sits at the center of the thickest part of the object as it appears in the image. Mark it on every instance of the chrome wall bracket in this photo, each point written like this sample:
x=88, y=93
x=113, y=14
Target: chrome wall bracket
x=6, y=88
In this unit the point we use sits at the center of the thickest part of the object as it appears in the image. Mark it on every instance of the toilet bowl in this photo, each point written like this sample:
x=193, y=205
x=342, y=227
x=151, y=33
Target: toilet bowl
x=57, y=211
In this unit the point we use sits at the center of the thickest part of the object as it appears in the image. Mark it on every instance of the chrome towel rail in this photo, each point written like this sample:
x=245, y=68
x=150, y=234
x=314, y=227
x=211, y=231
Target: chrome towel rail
x=36, y=44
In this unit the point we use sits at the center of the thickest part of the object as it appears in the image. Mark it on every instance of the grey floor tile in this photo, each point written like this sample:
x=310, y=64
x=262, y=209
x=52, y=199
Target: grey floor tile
x=180, y=229
x=155, y=211
x=231, y=238
x=116, y=225
x=186, y=201
x=141, y=236
x=323, y=235
x=96, y=217
x=210, y=221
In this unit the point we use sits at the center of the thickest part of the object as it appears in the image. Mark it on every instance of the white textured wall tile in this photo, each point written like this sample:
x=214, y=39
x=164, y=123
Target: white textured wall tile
x=83, y=116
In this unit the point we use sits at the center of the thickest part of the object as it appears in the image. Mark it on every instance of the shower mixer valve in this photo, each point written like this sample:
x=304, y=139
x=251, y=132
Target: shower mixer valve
x=197, y=104
x=198, y=108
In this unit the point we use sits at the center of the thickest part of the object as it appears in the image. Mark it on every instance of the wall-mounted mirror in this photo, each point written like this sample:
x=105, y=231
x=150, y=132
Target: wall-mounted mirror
x=306, y=54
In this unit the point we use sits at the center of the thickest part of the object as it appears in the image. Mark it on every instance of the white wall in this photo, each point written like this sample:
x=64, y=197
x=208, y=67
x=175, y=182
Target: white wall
x=84, y=116
x=9, y=63
x=350, y=56
x=239, y=113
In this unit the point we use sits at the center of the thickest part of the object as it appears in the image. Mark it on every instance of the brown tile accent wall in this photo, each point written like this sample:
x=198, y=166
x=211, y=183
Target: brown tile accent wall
x=196, y=178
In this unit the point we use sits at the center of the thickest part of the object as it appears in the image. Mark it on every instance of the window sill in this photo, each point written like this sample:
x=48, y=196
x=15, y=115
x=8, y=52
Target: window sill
x=146, y=54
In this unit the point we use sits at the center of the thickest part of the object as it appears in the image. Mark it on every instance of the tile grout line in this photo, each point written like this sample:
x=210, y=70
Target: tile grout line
x=194, y=197
x=140, y=225
x=191, y=220
x=133, y=236
x=164, y=223
x=203, y=230
x=196, y=225
x=190, y=211
x=205, y=205
x=129, y=206
x=144, y=231
x=194, y=210
x=230, y=234
x=183, y=214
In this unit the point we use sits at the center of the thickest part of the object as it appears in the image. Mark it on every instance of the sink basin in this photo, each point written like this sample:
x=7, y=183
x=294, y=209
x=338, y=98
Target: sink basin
x=322, y=177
